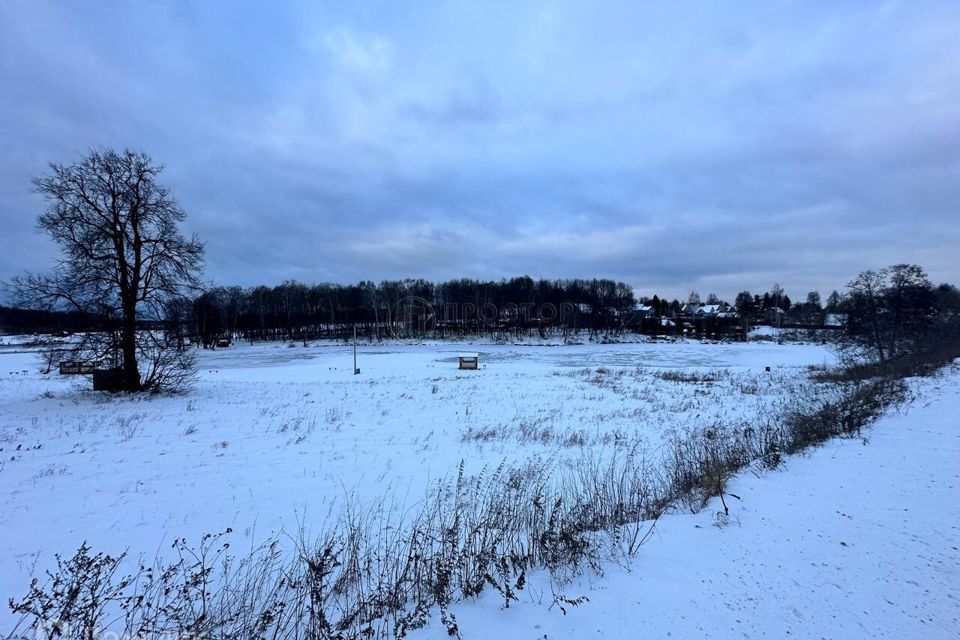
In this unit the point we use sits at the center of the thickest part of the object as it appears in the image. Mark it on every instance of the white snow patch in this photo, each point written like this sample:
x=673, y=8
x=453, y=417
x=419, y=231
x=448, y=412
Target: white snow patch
x=856, y=540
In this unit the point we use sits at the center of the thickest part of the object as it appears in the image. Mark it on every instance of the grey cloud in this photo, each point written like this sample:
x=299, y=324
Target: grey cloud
x=725, y=149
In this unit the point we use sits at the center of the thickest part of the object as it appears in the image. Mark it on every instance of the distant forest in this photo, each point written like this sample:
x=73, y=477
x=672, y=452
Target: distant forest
x=418, y=308
x=26, y=321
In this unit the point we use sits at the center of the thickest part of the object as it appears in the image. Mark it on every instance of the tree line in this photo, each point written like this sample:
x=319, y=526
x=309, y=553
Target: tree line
x=517, y=306
x=411, y=308
x=896, y=315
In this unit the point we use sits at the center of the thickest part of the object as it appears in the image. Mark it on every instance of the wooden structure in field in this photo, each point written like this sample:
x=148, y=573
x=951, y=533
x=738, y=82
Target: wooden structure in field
x=78, y=368
x=108, y=379
x=469, y=360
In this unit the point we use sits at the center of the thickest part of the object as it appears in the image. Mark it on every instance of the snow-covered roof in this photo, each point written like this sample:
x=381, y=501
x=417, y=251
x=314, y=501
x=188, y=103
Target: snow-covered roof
x=835, y=319
x=469, y=355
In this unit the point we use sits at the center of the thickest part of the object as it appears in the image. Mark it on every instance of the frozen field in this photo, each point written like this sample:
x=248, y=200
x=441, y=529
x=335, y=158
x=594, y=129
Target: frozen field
x=274, y=434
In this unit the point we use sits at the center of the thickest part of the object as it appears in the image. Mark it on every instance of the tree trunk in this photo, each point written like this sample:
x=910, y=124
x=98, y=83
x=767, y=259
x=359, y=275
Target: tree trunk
x=128, y=345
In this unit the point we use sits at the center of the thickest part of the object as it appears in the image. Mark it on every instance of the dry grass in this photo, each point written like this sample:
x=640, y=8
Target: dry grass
x=381, y=570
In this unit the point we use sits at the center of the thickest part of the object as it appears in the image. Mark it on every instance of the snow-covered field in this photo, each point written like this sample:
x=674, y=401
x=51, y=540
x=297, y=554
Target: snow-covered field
x=275, y=434
x=856, y=540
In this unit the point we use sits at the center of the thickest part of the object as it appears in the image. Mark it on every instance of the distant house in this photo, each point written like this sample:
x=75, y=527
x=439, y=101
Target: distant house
x=835, y=320
x=644, y=310
x=721, y=310
x=775, y=315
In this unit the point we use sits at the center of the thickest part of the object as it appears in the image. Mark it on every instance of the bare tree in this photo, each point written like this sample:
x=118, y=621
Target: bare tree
x=123, y=260
x=864, y=325
x=891, y=311
x=834, y=302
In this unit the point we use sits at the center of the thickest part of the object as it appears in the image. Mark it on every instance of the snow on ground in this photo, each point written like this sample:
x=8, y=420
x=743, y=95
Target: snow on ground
x=274, y=433
x=855, y=540
x=764, y=331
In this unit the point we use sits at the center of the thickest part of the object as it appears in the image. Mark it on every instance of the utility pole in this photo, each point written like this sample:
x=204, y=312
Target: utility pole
x=355, y=370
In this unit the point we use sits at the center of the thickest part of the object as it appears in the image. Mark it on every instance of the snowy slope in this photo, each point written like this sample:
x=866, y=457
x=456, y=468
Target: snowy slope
x=854, y=540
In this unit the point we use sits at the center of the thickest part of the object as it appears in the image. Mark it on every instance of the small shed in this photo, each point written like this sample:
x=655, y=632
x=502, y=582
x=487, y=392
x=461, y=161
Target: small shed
x=469, y=360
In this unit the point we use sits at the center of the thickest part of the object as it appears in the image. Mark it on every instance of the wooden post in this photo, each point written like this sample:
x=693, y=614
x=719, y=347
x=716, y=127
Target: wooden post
x=355, y=370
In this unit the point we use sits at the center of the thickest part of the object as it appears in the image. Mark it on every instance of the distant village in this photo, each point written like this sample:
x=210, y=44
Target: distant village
x=717, y=316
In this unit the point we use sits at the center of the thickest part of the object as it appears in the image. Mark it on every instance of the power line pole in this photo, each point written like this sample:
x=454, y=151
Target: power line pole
x=355, y=370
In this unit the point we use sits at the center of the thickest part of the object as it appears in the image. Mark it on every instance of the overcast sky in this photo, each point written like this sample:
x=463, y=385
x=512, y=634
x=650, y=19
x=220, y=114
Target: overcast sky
x=673, y=147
